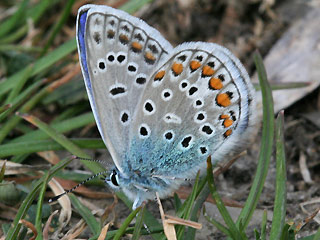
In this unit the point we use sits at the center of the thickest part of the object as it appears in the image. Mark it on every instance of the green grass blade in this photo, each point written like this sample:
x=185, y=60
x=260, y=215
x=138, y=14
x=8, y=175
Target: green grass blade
x=263, y=235
x=310, y=237
x=33, y=146
x=126, y=223
x=177, y=202
x=202, y=184
x=214, y=222
x=191, y=232
x=86, y=214
x=5, y=108
x=234, y=232
x=15, y=35
x=23, y=96
x=38, y=220
x=20, y=84
x=152, y=223
x=19, y=158
x=139, y=224
x=40, y=9
x=9, y=125
x=11, y=23
x=71, y=112
x=61, y=127
x=286, y=85
x=266, y=146
x=16, y=226
x=280, y=203
x=19, y=48
x=58, y=25
x=134, y=5
x=63, y=141
x=40, y=65
x=257, y=234
x=188, y=207
x=291, y=234
x=130, y=230
x=191, y=198
x=317, y=235
x=35, y=13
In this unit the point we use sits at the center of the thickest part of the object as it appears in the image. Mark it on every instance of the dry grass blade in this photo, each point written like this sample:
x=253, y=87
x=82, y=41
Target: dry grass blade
x=315, y=201
x=180, y=221
x=307, y=220
x=110, y=209
x=104, y=231
x=2, y=171
x=13, y=168
x=168, y=222
x=31, y=227
x=75, y=231
x=304, y=168
x=169, y=230
x=50, y=156
x=46, y=228
x=64, y=201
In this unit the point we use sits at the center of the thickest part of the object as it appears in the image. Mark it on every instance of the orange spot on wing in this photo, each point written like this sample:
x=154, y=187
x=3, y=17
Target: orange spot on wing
x=137, y=47
x=215, y=83
x=110, y=34
x=159, y=75
x=150, y=57
x=177, y=68
x=194, y=65
x=227, y=133
x=228, y=122
x=223, y=99
x=207, y=71
x=123, y=38
x=224, y=116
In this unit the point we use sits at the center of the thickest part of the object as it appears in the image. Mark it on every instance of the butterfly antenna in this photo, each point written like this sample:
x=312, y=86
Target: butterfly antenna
x=75, y=187
x=93, y=160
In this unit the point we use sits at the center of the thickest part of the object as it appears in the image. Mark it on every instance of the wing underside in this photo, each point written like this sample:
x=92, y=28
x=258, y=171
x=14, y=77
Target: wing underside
x=118, y=53
x=199, y=103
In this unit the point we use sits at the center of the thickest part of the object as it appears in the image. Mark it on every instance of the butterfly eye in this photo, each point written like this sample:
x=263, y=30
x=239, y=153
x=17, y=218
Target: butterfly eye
x=114, y=178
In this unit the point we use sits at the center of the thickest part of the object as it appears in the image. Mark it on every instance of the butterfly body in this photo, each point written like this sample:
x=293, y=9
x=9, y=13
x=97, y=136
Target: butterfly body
x=161, y=111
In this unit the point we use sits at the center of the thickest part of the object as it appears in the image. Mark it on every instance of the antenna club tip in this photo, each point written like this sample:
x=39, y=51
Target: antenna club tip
x=56, y=197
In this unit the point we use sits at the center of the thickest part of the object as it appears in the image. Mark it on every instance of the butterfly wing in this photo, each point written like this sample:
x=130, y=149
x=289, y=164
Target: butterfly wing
x=117, y=53
x=198, y=103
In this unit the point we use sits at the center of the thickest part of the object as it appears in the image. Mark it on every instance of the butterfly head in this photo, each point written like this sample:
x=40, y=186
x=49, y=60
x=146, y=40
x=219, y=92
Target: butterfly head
x=139, y=188
x=113, y=179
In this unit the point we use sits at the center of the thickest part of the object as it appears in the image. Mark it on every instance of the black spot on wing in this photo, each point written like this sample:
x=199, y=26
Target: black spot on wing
x=117, y=90
x=186, y=141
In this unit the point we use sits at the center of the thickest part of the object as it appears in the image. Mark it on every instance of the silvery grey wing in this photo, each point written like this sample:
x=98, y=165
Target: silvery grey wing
x=118, y=53
x=200, y=102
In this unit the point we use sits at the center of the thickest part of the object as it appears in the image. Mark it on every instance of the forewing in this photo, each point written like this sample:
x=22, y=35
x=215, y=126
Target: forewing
x=199, y=103
x=118, y=53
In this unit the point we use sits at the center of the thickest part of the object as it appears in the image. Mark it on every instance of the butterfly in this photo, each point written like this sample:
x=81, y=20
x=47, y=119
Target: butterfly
x=161, y=111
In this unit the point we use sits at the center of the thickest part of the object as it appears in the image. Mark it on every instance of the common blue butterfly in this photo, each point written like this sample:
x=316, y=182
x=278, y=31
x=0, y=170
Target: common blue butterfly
x=161, y=111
